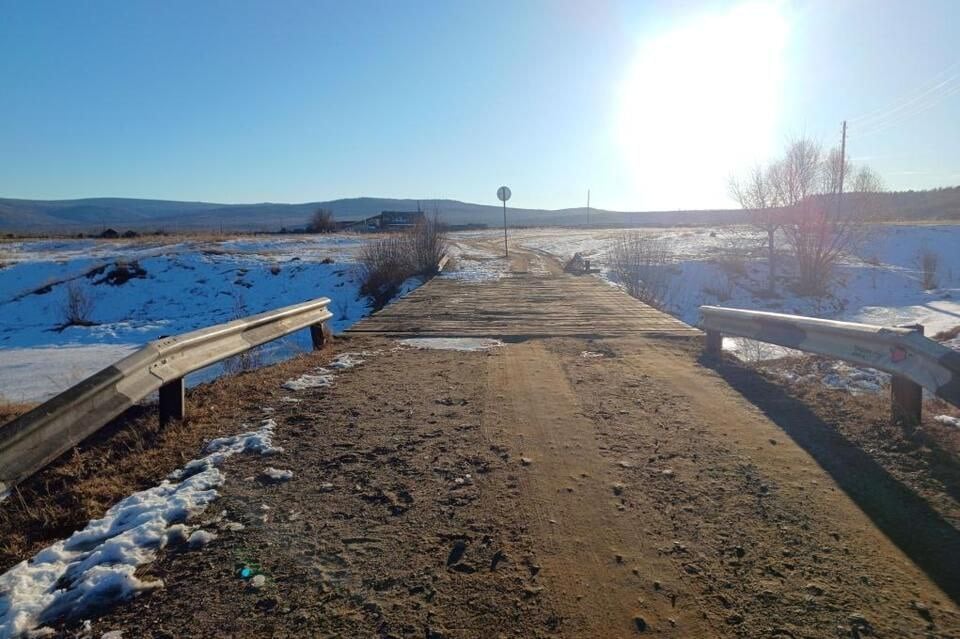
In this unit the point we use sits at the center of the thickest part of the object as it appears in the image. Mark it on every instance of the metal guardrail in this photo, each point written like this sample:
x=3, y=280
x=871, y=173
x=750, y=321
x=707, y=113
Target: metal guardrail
x=914, y=360
x=36, y=438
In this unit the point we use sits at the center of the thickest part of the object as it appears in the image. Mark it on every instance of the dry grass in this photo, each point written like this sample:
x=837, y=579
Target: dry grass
x=9, y=411
x=948, y=334
x=130, y=454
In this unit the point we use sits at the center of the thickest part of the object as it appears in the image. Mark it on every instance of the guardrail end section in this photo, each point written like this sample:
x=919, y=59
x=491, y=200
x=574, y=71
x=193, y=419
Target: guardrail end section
x=172, y=403
x=320, y=334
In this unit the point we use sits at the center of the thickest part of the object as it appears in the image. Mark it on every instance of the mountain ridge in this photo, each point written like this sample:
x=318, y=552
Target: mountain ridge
x=144, y=214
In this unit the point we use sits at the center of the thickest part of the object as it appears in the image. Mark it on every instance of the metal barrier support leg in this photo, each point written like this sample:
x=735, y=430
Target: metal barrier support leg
x=714, y=343
x=906, y=401
x=906, y=396
x=319, y=334
x=172, y=401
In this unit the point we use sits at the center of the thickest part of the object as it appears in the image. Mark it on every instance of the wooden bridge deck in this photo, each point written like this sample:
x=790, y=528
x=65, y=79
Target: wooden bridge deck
x=520, y=304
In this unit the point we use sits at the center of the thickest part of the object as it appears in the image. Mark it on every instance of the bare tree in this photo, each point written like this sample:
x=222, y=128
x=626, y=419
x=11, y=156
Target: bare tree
x=819, y=227
x=322, y=222
x=755, y=195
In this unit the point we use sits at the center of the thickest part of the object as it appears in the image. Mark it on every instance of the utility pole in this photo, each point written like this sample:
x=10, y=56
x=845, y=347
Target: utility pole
x=588, y=207
x=843, y=155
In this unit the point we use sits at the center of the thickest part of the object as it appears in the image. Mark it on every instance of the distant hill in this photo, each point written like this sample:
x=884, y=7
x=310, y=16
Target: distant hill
x=96, y=214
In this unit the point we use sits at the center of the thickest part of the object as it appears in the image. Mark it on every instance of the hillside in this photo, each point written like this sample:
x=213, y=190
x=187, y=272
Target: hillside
x=95, y=214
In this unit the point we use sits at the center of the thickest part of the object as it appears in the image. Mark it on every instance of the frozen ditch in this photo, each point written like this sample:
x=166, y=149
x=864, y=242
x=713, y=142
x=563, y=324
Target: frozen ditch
x=94, y=567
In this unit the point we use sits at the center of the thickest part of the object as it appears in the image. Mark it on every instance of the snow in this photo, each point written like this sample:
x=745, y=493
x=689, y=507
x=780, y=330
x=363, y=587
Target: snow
x=947, y=420
x=200, y=538
x=188, y=285
x=880, y=285
x=32, y=374
x=275, y=474
x=474, y=264
x=320, y=378
x=452, y=343
x=96, y=566
x=350, y=359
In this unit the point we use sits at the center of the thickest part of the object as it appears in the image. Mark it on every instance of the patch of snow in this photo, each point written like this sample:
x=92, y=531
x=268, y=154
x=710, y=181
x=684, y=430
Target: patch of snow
x=349, y=360
x=322, y=378
x=947, y=420
x=452, y=343
x=96, y=566
x=275, y=474
x=200, y=538
x=590, y=354
x=112, y=634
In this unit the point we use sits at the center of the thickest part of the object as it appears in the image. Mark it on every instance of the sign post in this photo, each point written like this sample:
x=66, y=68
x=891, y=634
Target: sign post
x=503, y=194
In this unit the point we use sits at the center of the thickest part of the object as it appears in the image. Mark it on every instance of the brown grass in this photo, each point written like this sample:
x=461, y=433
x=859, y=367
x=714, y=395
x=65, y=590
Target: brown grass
x=950, y=333
x=130, y=454
x=9, y=411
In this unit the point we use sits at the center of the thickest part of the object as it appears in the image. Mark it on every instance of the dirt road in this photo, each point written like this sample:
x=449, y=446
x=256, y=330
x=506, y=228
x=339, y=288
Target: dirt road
x=584, y=479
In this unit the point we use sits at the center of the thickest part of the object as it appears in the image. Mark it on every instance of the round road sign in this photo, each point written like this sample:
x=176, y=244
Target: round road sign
x=503, y=193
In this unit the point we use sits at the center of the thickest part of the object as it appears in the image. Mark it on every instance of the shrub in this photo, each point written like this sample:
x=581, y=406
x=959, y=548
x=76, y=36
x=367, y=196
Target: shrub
x=427, y=243
x=642, y=265
x=929, y=262
x=322, y=222
x=249, y=359
x=387, y=262
x=77, y=307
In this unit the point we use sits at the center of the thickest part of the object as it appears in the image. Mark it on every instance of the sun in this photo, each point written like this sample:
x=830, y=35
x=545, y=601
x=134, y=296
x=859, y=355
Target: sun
x=701, y=102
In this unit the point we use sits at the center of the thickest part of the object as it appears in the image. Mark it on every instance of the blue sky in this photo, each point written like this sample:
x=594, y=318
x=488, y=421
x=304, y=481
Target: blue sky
x=649, y=105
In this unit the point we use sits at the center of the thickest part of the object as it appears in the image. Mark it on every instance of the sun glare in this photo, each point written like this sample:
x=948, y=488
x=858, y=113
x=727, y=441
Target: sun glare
x=700, y=102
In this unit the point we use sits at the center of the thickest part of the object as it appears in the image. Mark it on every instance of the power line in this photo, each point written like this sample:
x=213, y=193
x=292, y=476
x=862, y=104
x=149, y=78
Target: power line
x=906, y=100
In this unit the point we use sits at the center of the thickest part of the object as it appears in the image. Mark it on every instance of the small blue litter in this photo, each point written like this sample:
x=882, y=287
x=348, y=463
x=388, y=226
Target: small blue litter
x=246, y=572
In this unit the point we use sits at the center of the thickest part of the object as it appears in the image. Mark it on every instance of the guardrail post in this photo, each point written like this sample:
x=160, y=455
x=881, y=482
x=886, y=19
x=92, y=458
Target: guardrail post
x=172, y=401
x=906, y=396
x=714, y=342
x=319, y=334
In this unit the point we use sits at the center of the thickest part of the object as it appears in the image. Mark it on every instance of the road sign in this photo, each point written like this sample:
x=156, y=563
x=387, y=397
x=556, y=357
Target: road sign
x=503, y=194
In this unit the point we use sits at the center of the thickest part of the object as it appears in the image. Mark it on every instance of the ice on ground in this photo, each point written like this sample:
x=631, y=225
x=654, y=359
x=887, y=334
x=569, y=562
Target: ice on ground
x=96, y=566
x=947, y=420
x=310, y=380
x=275, y=474
x=452, y=343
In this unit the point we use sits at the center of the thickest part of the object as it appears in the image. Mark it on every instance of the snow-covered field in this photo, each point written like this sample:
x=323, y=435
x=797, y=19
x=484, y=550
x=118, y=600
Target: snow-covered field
x=183, y=286
x=881, y=285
